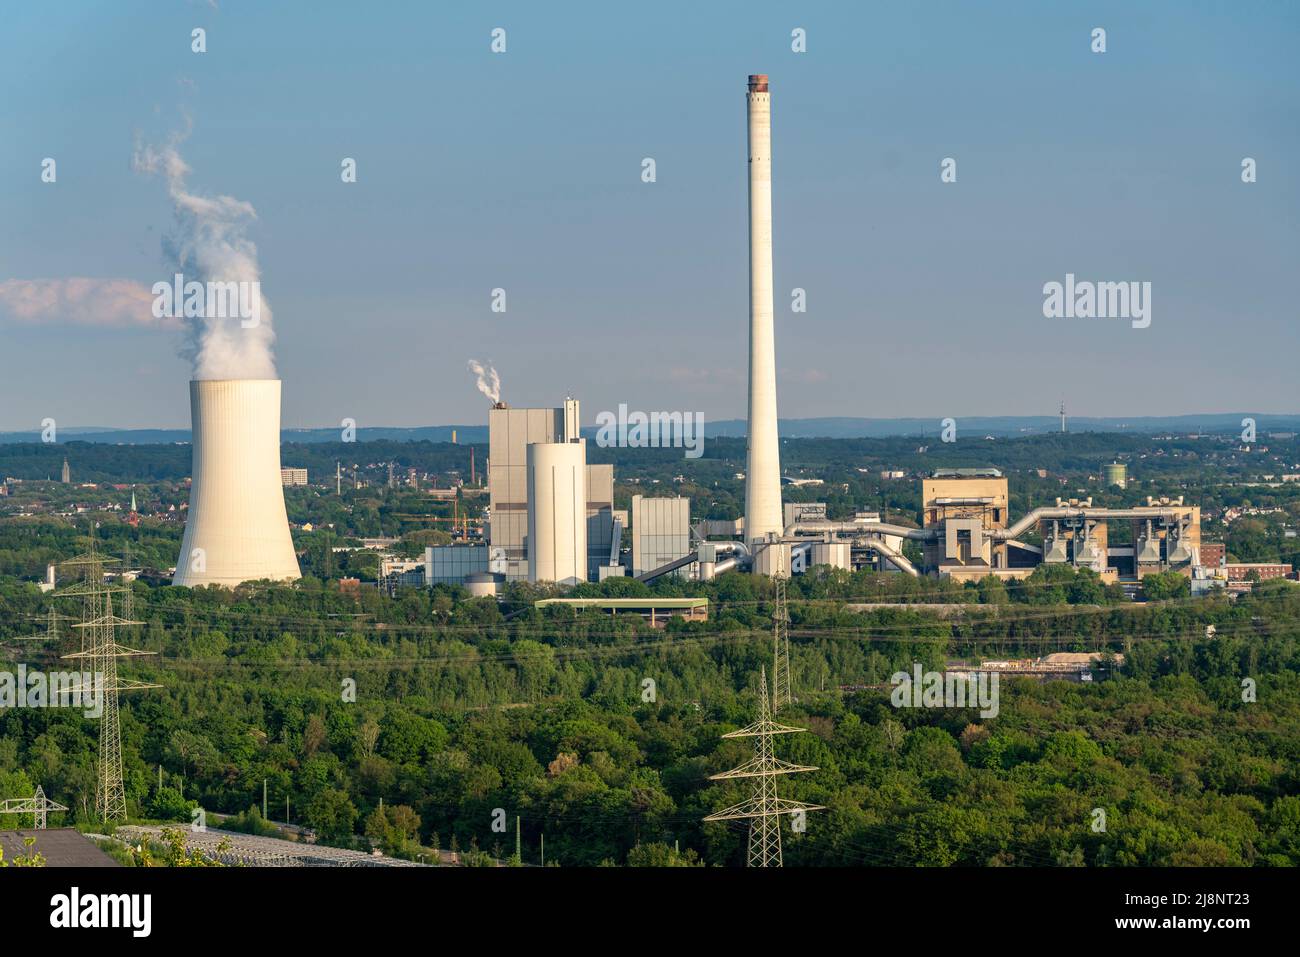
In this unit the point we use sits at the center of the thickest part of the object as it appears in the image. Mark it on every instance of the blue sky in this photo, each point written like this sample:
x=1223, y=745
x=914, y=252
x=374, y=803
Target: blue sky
x=522, y=171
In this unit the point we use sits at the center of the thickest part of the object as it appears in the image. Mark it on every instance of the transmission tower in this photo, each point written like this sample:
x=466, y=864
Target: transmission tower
x=38, y=805
x=99, y=649
x=52, y=632
x=764, y=808
x=781, y=694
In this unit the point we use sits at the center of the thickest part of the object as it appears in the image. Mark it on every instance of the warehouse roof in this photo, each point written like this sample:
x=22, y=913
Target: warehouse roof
x=60, y=846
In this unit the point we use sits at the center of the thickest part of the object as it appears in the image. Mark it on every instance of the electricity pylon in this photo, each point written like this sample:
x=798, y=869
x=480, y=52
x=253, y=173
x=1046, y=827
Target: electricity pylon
x=110, y=794
x=38, y=805
x=100, y=649
x=781, y=694
x=52, y=633
x=764, y=808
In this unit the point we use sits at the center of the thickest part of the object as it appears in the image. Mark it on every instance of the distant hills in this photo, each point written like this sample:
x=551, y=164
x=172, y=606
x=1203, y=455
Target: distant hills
x=840, y=427
x=1010, y=425
x=465, y=434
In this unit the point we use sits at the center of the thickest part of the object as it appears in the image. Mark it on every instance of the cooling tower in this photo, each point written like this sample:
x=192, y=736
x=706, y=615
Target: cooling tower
x=237, y=529
x=557, y=512
x=763, y=466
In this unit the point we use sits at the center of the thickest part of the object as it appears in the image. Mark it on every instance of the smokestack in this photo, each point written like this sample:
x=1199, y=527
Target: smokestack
x=237, y=529
x=763, y=467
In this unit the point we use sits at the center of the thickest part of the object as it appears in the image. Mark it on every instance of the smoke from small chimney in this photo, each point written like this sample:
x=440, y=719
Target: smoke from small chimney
x=487, y=380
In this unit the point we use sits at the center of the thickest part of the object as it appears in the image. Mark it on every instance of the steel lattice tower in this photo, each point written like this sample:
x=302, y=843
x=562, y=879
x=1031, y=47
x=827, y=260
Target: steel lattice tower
x=781, y=693
x=764, y=808
x=52, y=633
x=38, y=805
x=99, y=648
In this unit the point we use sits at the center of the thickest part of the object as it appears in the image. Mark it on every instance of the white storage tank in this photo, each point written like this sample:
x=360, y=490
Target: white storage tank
x=483, y=584
x=557, y=512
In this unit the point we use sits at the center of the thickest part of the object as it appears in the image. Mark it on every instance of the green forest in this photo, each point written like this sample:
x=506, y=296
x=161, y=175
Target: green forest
x=428, y=720
x=462, y=707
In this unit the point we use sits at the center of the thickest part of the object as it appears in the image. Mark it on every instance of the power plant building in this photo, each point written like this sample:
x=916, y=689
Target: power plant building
x=661, y=531
x=454, y=564
x=511, y=434
x=966, y=504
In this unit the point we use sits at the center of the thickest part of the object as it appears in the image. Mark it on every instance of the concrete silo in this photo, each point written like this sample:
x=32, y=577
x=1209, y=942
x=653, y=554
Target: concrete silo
x=237, y=529
x=557, y=512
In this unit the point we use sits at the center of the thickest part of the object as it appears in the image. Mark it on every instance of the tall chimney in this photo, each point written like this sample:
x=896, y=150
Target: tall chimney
x=763, y=468
x=237, y=529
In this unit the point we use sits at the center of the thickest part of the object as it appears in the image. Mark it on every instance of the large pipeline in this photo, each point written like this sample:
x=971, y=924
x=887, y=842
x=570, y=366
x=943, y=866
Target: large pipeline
x=897, y=558
x=863, y=528
x=1000, y=534
x=1042, y=514
x=692, y=558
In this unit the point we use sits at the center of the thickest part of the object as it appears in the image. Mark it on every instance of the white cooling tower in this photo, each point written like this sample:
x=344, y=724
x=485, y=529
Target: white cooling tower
x=557, y=512
x=763, y=468
x=237, y=529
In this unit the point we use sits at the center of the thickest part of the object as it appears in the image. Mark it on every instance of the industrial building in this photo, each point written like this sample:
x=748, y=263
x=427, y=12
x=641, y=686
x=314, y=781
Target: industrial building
x=967, y=533
x=511, y=435
x=551, y=515
x=539, y=483
x=453, y=564
x=661, y=531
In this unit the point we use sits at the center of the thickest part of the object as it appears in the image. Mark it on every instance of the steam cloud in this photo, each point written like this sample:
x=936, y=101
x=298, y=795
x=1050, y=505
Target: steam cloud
x=206, y=245
x=488, y=382
x=79, y=301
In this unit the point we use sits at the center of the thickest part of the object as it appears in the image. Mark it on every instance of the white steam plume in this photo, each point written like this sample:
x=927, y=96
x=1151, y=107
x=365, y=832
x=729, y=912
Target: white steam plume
x=207, y=245
x=488, y=382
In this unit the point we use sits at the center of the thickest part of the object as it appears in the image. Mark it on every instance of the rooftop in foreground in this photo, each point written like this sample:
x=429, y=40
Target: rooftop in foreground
x=60, y=846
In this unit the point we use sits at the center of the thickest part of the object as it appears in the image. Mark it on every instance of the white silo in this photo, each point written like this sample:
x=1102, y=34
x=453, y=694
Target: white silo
x=557, y=512
x=237, y=529
x=763, y=468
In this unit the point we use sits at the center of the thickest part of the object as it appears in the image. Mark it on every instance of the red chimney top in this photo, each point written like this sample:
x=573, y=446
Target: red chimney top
x=758, y=83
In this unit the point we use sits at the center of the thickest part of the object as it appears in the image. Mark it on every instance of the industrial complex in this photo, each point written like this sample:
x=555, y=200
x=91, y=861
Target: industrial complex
x=551, y=515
